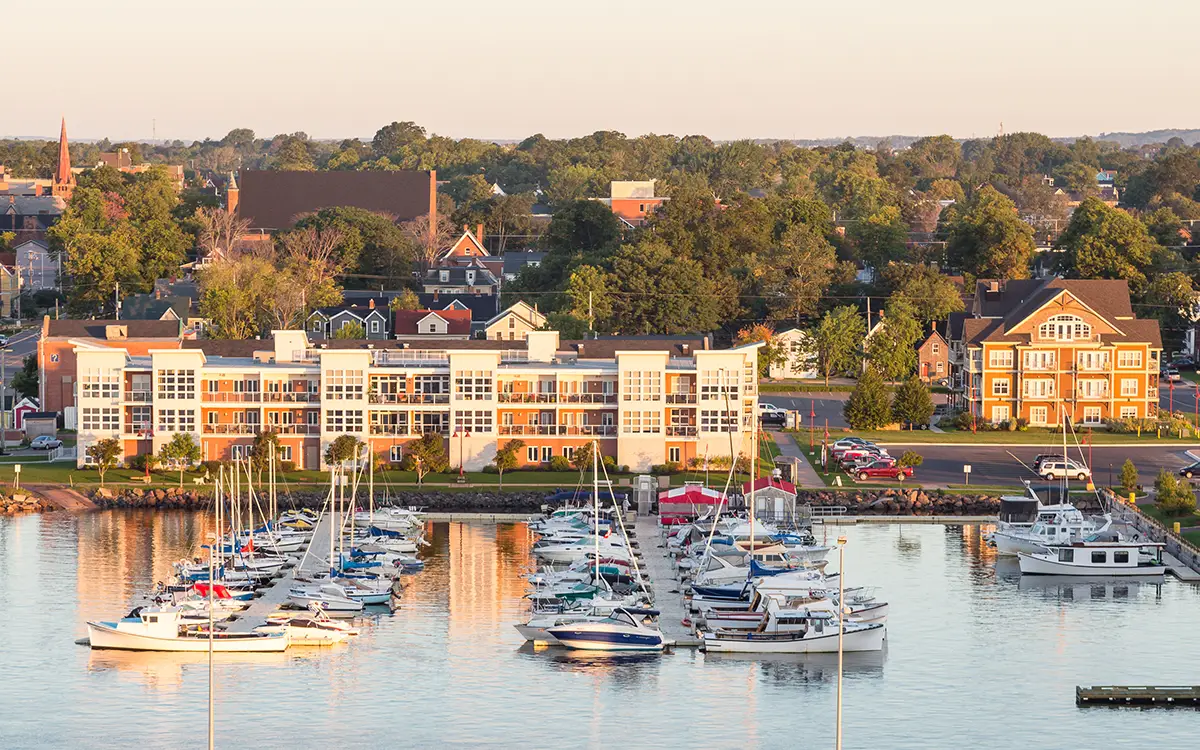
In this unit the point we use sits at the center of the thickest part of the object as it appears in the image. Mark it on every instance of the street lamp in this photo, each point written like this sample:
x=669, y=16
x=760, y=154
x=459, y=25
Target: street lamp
x=841, y=630
x=460, y=434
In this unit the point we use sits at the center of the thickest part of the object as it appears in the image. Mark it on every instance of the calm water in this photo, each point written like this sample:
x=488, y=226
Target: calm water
x=975, y=659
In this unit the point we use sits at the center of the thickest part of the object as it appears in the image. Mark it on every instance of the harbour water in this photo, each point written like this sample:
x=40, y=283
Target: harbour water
x=976, y=657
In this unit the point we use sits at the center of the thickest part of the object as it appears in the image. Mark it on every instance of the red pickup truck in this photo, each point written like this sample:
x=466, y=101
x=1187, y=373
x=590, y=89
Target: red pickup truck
x=883, y=470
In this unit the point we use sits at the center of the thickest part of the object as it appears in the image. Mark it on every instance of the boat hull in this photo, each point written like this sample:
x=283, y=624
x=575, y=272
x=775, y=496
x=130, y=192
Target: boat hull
x=1036, y=565
x=104, y=636
x=585, y=638
x=868, y=638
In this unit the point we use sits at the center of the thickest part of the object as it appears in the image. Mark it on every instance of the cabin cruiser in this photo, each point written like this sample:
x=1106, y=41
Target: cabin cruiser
x=625, y=629
x=1055, y=524
x=801, y=631
x=1093, y=558
x=391, y=519
x=331, y=597
x=858, y=608
x=569, y=552
x=611, y=569
x=313, y=628
x=146, y=629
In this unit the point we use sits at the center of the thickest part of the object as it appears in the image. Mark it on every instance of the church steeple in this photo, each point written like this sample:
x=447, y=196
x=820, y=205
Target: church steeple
x=64, y=179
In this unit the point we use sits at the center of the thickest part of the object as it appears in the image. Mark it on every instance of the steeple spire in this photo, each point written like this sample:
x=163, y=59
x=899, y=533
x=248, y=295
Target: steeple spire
x=64, y=179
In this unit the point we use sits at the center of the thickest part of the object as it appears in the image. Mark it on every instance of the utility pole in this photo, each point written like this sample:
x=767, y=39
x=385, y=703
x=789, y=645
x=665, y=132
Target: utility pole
x=590, y=314
x=865, y=337
x=117, y=299
x=3, y=399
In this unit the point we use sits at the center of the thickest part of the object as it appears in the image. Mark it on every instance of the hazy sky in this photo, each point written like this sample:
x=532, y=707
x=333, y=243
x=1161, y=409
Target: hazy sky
x=510, y=68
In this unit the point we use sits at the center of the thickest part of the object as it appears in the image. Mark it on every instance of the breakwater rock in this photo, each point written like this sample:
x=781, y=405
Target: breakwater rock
x=13, y=503
x=918, y=502
x=461, y=501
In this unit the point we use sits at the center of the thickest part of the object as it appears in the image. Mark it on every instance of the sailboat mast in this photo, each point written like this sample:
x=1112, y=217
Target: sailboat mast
x=332, y=512
x=371, y=485
x=753, y=479
x=211, y=583
x=596, y=504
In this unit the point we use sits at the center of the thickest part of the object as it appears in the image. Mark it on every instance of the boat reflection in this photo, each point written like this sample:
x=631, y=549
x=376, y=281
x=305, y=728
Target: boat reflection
x=1089, y=588
x=808, y=667
x=561, y=659
x=164, y=669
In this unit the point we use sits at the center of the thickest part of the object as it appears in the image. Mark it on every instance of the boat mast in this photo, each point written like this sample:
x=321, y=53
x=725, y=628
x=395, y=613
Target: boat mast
x=211, y=584
x=596, y=505
x=332, y=512
x=753, y=479
x=371, y=485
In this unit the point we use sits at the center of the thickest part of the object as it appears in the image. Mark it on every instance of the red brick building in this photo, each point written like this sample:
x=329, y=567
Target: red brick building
x=933, y=358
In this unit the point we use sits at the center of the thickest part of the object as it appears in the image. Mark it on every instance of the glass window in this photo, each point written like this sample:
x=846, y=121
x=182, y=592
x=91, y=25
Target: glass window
x=531, y=454
x=473, y=385
x=473, y=421
x=640, y=422
x=1129, y=412
x=343, y=384
x=713, y=385
x=101, y=382
x=1121, y=557
x=1000, y=358
x=1000, y=386
x=98, y=418
x=673, y=454
x=1129, y=386
x=344, y=420
x=642, y=385
x=1065, y=328
x=1129, y=359
x=714, y=420
x=1066, y=555
x=176, y=384
x=1099, y=556
x=547, y=453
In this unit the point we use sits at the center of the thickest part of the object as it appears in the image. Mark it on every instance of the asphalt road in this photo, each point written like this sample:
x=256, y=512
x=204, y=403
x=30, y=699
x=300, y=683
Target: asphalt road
x=826, y=405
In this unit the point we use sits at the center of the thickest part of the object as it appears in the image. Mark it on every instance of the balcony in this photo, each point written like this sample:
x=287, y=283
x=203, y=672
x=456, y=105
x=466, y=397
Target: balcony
x=681, y=398
x=588, y=398
x=290, y=397
x=527, y=398
x=231, y=429
x=411, y=357
x=230, y=397
x=587, y=430
x=681, y=431
x=409, y=398
x=392, y=430
x=295, y=429
x=141, y=397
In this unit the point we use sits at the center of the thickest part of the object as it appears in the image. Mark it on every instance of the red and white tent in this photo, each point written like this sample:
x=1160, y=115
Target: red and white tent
x=682, y=504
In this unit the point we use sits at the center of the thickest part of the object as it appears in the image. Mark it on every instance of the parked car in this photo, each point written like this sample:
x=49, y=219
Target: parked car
x=857, y=454
x=840, y=450
x=1190, y=470
x=3, y=340
x=852, y=467
x=777, y=418
x=45, y=443
x=1043, y=457
x=1183, y=362
x=883, y=470
x=1058, y=468
x=1168, y=373
x=848, y=442
x=764, y=407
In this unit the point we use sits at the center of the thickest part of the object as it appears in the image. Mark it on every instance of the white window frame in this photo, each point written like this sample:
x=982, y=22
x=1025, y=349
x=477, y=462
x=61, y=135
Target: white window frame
x=1000, y=358
x=1128, y=412
x=531, y=454
x=673, y=454
x=1129, y=360
x=1093, y=415
x=1001, y=387
x=1001, y=414
x=1129, y=386
x=1036, y=410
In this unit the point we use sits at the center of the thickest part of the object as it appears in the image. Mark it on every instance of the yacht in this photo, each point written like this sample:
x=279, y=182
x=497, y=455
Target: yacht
x=803, y=631
x=165, y=630
x=1055, y=524
x=331, y=597
x=626, y=629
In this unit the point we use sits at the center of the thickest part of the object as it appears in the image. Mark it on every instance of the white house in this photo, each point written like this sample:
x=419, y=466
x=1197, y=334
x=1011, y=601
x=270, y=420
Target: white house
x=801, y=362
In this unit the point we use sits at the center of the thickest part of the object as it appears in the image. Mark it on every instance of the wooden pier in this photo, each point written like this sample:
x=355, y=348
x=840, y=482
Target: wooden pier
x=315, y=559
x=1123, y=695
x=664, y=582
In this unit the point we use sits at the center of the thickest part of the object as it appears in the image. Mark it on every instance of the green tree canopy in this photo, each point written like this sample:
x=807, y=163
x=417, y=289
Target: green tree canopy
x=1102, y=242
x=892, y=347
x=836, y=341
x=104, y=455
x=913, y=402
x=181, y=451
x=988, y=239
x=869, y=404
x=932, y=294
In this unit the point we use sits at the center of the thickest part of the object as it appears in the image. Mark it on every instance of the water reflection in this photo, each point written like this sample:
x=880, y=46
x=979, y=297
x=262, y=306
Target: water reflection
x=807, y=668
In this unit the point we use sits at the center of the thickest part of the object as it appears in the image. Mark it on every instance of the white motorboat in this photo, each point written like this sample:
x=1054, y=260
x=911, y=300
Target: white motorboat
x=1095, y=558
x=797, y=632
x=314, y=628
x=164, y=630
x=623, y=630
x=815, y=600
x=1055, y=524
x=331, y=597
x=570, y=552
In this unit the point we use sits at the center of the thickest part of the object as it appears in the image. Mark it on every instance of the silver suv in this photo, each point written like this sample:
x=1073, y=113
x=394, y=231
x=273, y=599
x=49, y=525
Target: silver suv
x=1057, y=468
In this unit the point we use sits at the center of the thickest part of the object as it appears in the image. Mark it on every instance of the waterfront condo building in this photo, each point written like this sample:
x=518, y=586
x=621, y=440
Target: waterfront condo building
x=647, y=400
x=1042, y=349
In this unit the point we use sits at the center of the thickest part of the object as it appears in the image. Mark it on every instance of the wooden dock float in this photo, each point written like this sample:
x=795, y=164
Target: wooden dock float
x=668, y=597
x=276, y=595
x=1128, y=695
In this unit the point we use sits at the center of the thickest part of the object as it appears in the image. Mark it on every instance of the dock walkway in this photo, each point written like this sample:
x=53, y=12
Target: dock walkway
x=313, y=558
x=1177, y=568
x=668, y=597
x=1124, y=695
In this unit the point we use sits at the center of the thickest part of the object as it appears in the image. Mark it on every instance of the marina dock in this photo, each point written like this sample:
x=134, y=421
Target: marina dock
x=313, y=558
x=668, y=596
x=1121, y=695
x=1178, y=569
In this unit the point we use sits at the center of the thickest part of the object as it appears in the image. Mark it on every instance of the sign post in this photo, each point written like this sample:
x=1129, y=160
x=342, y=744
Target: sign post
x=967, y=474
x=17, y=476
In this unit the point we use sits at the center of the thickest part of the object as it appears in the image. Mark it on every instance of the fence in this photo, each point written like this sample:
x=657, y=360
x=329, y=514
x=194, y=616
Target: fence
x=1121, y=510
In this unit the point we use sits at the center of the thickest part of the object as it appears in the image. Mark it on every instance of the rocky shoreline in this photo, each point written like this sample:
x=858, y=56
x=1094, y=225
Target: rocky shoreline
x=884, y=502
x=14, y=503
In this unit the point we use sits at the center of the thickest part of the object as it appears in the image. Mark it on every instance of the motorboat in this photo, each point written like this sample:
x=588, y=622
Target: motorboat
x=1055, y=524
x=625, y=629
x=813, y=600
x=1095, y=558
x=798, y=632
x=583, y=570
x=164, y=630
x=313, y=628
x=569, y=552
x=331, y=597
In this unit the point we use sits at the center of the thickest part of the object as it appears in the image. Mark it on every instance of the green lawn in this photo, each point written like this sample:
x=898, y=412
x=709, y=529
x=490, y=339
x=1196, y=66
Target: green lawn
x=816, y=386
x=1170, y=520
x=1032, y=436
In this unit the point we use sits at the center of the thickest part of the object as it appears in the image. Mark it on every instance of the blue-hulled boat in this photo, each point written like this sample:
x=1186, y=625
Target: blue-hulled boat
x=626, y=629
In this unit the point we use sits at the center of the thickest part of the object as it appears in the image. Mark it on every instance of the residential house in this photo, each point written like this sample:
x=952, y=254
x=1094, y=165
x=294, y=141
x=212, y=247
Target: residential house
x=39, y=267
x=29, y=216
x=325, y=322
x=474, y=279
x=645, y=400
x=518, y=260
x=10, y=289
x=432, y=324
x=274, y=200
x=633, y=200
x=1045, y=350
x=800, y=362
x=515, y=323
x=933, y=358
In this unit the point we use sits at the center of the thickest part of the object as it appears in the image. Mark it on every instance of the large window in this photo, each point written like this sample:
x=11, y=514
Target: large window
x=473, y=421
x=101, y=382
x=176, y=384
x=101, y=418
x=1065, y=328
x=140, y=419
x=1038, y=388
x=431, y=421
x=642, y=385
x=176, y=420
x=1129, y=359
x=1129, y=412
x=1093, y=388
x=1038, y=360
x=343, y=384
x=639, y=422
x=715, y=420
x=1001, y=386
x=1129, y=386
x=1002, y=358
x=719, y=383
x=344, y=420
x=389, y=423
x=1092, y=415
x=473, y=385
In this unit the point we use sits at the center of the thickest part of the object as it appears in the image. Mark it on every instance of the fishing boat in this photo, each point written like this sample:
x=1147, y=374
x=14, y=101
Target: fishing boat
x=164, y=630
x=1055, y=524
x=623, y=630
x=797, y=632
x=1095, y=558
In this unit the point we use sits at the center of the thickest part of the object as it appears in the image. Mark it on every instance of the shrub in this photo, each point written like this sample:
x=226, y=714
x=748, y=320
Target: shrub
x=1172, y=496
x=911, y=458
x=560, y=463
x=669, y=467
x=1010, y=425
x=491, y=469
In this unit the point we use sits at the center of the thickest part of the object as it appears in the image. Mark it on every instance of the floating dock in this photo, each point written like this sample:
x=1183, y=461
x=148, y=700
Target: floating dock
x=668, y=596
x=1123, y=695
x=313, y=557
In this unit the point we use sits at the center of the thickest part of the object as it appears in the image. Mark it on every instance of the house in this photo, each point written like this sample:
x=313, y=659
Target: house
x=435, y=324
x=468, y=245
x=325, y=322
x=933, y=358
x=800, y=362
x=516, y=261
x=633, y=200
x=39, y=267
x=23, y=409
x=122, y=161
x=10, y=289
x=482, y=308
x=37, y=423
x=274, y=200
x=29, y=216
x=556, y=396
x=461, y=279
x=774, y=497
x=515, y=323
x=1045, y=350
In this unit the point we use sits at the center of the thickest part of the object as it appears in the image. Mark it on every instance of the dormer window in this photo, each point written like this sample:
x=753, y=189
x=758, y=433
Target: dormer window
x=443, y=276
x=1065, y=328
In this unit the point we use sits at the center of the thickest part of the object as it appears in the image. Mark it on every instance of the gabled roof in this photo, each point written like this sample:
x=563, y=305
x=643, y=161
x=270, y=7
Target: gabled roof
x=276, y=199
x=32, y=205
x=522, y=310
x=764, y=482
x=482, y=306
x=458, y=322
x=514, y=262
x=457, y=275
x=356, y=310
x=148, y=307
x=468, y=245
x=97, y=329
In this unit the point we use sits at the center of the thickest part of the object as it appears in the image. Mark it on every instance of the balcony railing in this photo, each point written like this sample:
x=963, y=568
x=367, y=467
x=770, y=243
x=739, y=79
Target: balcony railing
x=231, y=429
x=290, y=397
x=410, y=357
x=139, y=396
x=231, y=397
x=527, y=398
x=681, y=398
x=394, y=430
x=409, y=398
x=681, y=431
x=588, y=430
x=588, y=398
x=294, y=429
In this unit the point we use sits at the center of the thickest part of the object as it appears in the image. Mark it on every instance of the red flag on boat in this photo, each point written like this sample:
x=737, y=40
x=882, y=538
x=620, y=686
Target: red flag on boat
x=249, y=546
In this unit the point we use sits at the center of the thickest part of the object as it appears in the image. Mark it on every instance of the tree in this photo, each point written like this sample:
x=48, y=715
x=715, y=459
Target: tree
x=836, y=340
x=182, y=451
x=1129, y=476
x=393, y=138
x=220, y=233
x=798, y=270
x=586, y=227
x=431, y=237
x=772, y=352
x=266, y=444
x=1173, y=496
x=506, y=458
x=581, y=459
x=931, y=293
x=912, y=403
x=892, y=347
x=662, y=293
x=589, y=293
x=25, y=381
x=869, y=405
x=407, y=299
x=910, y=459
x=350, y=330
x=1164, y=227
x=343, y=448
x=368, y=243
x=425, y=455
x=988, y=238
x=1173, y=298
x=104, y=454
x=1102, y=242
x=880, y=237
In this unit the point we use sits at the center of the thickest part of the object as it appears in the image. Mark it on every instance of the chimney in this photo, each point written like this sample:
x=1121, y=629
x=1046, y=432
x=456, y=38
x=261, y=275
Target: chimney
x=232, y=194
x=371, y=304
x=479, y=232
x=993, y=286
x=38, y=189
x=435, y=295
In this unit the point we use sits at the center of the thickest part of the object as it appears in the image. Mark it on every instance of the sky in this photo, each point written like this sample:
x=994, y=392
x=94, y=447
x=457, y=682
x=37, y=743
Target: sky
x=505, y=69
